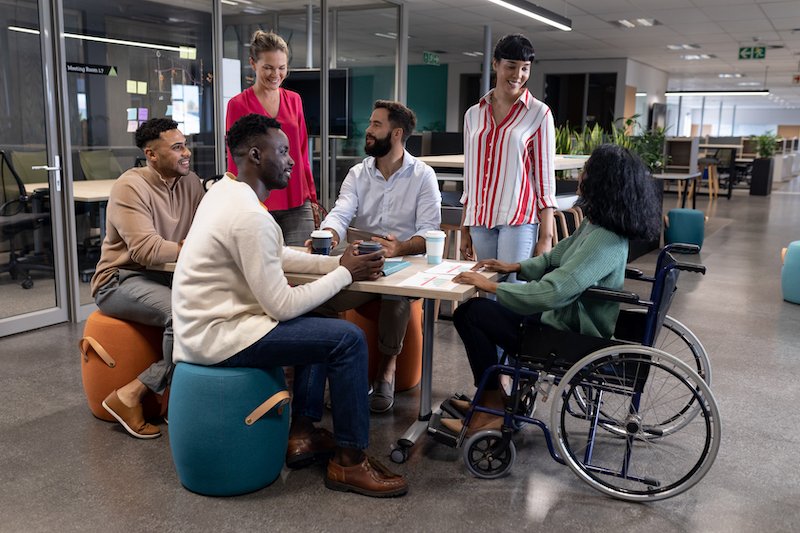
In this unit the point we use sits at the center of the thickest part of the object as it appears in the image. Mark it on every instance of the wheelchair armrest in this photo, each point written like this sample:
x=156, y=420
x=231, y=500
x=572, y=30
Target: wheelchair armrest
x=633, y=273
x=681, y=248
x=613, y=295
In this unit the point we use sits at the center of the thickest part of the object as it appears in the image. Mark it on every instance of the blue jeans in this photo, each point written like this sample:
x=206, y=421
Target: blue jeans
x=510, y=244
x=319, y=348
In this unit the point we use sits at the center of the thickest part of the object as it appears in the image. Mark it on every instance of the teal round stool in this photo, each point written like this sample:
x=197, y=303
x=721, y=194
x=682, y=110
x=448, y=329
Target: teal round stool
x=228, y=427
x=685, y=226
x=790, y=273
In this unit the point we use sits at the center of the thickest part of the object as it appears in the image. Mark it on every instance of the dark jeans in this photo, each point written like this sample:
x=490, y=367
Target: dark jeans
x=319, y=348
x=483, y=325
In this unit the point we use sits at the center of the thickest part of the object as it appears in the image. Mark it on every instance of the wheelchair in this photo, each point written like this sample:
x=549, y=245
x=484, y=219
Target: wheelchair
x=633, y=421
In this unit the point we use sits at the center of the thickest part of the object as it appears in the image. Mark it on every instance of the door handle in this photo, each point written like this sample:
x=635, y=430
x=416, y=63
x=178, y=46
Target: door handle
x=56, y=167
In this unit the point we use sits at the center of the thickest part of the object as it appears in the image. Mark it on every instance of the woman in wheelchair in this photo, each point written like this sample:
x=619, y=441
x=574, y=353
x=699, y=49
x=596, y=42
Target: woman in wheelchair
x=619, y=203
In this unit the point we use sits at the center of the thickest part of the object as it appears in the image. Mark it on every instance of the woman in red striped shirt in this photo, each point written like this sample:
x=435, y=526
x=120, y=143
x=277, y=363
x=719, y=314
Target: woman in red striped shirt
x=291, y=207
x=509, y=175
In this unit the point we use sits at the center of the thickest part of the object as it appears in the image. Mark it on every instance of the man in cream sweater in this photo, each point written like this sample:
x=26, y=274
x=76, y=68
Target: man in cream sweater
x=233, y=306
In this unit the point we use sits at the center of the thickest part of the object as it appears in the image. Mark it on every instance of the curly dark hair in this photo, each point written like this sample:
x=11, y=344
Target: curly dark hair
x=399, y=116
x=240, y=136
x=514, y=47
x=617, y=194
x=150, y=130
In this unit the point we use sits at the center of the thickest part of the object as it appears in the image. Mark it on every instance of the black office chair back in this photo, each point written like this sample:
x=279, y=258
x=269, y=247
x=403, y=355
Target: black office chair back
x=14, y=194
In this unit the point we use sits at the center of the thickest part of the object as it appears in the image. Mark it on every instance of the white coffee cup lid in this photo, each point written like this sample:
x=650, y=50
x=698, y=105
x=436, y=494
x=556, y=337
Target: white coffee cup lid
x=321, y=233
x=435, y=234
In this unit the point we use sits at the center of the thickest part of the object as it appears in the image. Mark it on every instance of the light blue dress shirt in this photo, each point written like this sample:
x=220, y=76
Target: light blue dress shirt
x=407, y=204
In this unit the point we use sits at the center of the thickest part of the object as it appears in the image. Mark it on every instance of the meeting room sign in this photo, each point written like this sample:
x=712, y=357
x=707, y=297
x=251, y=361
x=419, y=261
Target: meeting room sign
x=99, y=70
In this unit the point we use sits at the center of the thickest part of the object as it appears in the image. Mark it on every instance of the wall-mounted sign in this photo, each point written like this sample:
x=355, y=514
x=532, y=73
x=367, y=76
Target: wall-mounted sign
x=100, y=70
x=752, y=52
x=429, y=58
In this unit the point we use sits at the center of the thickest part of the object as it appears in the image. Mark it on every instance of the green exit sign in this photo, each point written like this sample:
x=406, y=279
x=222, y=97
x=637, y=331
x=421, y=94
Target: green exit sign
x=429, y=58
x=752, y=52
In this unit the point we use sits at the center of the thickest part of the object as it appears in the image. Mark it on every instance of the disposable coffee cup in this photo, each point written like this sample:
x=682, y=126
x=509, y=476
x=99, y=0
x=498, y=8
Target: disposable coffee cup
x=368, y=247
x=321, y=241
x=434, y=246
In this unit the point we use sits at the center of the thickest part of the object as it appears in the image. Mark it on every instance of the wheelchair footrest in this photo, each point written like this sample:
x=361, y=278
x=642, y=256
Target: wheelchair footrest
x=448, y=408
x=439, y=432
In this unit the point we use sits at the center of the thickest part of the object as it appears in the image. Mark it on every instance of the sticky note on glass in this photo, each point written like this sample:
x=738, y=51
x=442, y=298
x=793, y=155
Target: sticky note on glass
x=169, y=110
x=132, y=125
x=142, y=113
x=141, y=87
x=131, y=113
x=188, y=52
x=131, y=86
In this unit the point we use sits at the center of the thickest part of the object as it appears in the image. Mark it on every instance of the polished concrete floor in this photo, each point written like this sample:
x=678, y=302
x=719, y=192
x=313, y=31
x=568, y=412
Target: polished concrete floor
x=63, y=470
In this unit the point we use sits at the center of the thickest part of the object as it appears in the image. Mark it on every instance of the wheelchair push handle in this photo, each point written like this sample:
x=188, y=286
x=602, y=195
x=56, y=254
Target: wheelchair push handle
x=681, y=248
x=689, y=267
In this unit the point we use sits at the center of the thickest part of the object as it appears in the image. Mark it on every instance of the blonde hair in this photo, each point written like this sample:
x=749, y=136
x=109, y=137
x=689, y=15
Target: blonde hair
x=263, y=41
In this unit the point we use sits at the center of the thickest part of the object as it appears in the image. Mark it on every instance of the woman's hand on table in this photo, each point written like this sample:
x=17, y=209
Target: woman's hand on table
x=494, y=265
x=478, y=280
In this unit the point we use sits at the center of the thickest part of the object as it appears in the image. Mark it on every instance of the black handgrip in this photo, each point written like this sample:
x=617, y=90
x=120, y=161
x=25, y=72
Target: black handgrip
x=633, y=273
x=689, y=267
x=682, y=248
x=613, y=295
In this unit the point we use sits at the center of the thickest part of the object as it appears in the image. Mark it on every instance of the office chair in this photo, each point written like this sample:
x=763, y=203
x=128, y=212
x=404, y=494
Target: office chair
x=99, y=164
x=23, y=161
x=21, y=213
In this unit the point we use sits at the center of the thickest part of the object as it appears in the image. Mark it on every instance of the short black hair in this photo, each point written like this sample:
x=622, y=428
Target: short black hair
x=150, y=130
x=618, y=194
x=399, y=116
x=515, y=47
x=240, y=136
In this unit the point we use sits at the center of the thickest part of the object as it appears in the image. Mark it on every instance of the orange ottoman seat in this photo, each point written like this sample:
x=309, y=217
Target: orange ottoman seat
x=113, y=353
x=409, y=361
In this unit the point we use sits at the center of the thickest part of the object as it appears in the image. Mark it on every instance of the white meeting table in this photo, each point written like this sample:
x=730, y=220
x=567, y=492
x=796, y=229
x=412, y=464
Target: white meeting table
x=391, y=286
x=87, y=191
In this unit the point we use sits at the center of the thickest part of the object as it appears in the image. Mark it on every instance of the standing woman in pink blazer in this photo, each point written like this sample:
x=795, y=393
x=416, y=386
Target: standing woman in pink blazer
x=291, y=207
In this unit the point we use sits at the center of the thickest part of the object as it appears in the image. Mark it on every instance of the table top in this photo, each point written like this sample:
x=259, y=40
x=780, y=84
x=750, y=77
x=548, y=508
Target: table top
x=389, y=285
x=677, y=175
x=82, y=191
x=562, y=162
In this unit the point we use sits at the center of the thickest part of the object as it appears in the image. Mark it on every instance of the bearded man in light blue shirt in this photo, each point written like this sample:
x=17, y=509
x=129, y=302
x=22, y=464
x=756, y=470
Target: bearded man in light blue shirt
x=395, y=196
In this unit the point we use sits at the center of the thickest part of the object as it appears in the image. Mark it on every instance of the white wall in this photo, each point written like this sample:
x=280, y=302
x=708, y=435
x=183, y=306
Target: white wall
x=648, y=80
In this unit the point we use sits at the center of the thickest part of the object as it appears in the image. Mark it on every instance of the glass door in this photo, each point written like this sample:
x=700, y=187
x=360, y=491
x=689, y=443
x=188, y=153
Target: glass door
x=32, y=266
x=126, y=62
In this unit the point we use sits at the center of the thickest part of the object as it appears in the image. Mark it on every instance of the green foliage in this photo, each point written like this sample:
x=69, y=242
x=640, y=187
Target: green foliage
x=564, y=139
x=650, y=147
x=589, y=139
x=766, y=144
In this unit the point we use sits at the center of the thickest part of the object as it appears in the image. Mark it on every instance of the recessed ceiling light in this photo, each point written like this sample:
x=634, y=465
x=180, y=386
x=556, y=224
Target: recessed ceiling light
x=697, y=57
x=734, y=75
x=387, y=35
x=683, y=46
x=473, y=54
x=748, y=84
x=628, y=23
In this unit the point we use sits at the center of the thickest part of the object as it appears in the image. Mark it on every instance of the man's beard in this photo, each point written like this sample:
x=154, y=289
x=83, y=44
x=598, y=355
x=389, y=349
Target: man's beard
x=380, y=147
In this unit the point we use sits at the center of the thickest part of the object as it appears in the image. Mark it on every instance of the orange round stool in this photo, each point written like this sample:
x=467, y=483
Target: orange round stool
x=409, y=361
x=113, y=353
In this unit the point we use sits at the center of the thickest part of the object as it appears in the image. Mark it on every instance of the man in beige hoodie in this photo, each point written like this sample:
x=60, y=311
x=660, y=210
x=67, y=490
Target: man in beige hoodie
x=150, y=210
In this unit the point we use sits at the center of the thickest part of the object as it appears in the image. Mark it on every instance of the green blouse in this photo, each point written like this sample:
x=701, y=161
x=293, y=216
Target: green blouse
x=592, y=256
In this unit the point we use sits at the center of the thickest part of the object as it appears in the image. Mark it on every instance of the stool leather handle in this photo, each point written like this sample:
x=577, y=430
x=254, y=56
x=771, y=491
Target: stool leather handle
x=84, y=344
x=279, y=399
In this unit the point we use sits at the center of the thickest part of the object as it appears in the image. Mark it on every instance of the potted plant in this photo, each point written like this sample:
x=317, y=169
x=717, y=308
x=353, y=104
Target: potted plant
x=565, y=145
x=761, y=178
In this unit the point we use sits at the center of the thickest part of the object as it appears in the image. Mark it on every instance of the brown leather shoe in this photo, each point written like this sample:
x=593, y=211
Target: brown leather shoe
x=453, y=425
x=462, y=406
x=131, y=418
x=369, y=478
x=304, y=451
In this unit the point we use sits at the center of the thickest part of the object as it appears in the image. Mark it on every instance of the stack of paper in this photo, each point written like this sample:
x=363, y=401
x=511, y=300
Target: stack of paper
x=438, y=277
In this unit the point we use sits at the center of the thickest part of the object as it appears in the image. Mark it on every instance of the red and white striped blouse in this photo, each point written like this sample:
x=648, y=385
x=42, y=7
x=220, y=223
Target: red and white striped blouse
x=509, y=173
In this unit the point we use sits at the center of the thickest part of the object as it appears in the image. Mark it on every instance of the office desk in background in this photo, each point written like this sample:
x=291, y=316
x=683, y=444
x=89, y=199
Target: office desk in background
x=456, y=161
x=391, y=285
x=87, y=191
x=683, y=180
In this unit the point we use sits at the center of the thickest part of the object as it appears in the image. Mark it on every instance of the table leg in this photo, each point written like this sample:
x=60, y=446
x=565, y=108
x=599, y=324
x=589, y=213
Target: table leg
x=399, y=453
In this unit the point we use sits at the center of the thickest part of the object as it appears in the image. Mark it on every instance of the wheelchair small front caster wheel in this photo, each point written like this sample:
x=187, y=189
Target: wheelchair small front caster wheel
x=27, y=283
x=399, y=455
x=486, y=456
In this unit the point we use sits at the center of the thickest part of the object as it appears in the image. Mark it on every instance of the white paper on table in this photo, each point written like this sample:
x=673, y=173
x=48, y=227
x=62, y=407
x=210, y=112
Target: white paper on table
x=429, y=281
x=449, y=268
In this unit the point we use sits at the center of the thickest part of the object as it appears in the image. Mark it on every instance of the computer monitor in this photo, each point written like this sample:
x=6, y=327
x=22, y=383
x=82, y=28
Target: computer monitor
x=306, y=82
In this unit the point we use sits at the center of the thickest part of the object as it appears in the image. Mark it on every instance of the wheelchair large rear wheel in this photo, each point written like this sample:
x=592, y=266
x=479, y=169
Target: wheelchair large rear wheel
x=678, y=340
x=607, y=419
